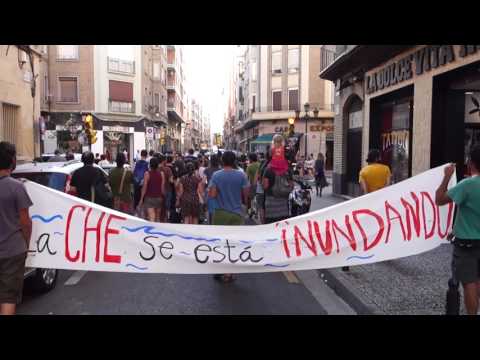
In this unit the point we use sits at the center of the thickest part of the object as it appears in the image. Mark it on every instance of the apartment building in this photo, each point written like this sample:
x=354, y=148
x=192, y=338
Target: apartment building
x=19, y=98
x=154, y=85
x=123, y=87
x=176, y=102
x=272, y=83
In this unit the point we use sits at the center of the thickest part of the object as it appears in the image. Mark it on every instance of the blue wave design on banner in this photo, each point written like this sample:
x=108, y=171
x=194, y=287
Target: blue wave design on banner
x=57, y=233
x=47, y=219
x=136, y=267
x=280, y=266
x=148, y=230
x=360, y=257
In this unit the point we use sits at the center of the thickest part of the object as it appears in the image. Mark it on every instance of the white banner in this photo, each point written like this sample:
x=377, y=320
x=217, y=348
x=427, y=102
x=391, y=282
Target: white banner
x=398, y=221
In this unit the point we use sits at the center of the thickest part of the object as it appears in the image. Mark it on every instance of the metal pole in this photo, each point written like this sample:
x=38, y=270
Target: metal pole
x=306, y=134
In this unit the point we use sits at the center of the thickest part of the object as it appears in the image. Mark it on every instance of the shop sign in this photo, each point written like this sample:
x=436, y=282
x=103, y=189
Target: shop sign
x=149, y=133
x=424, y=60
x=281, y=129
x=122, y=129
x=321, y=128
x=64, y=128
x=395, y=138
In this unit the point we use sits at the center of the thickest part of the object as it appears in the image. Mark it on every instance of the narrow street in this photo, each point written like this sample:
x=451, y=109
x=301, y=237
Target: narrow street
x=91, y=293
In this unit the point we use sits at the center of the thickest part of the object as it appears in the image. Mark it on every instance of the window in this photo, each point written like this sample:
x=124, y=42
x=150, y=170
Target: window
x=8, y=125
x=277, y=100
x=121, y=66
x=45, y=88
x=67, y=52
x=253, y=74
x=121, y=96
x=156, y=69
x=293, y=59
x=293, y=99
x=68, y=89
x=276, y=62
x=253, y=103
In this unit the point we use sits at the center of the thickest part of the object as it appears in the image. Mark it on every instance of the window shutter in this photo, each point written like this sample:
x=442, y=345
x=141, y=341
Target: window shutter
x=121, y=91
x=293, y=99
x=68, y=89
x=277, y=100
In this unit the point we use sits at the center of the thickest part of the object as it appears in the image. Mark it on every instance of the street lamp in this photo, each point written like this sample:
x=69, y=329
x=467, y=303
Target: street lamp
x=306, y=117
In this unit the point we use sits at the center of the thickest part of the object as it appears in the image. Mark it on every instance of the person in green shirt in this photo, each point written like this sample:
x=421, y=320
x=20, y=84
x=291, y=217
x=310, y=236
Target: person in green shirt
x=121, y=182
x=252, y=170
x=466, y=229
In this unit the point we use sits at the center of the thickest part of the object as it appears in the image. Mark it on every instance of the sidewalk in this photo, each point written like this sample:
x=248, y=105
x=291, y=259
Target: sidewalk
x=414, y=285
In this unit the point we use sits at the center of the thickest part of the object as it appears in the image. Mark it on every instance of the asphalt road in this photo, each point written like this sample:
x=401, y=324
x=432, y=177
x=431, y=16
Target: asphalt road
x=98, y=293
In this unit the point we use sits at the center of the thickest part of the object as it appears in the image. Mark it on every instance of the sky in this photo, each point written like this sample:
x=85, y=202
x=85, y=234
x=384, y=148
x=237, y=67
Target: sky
x=207, y=70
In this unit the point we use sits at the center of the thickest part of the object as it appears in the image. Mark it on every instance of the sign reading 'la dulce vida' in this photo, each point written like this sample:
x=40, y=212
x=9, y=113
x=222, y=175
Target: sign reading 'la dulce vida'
x=424, y=59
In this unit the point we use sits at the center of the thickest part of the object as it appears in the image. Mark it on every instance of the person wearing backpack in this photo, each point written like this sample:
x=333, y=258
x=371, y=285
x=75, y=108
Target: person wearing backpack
x=121, y=180
x=138, y=175
x=277, y=184
x=89, y=182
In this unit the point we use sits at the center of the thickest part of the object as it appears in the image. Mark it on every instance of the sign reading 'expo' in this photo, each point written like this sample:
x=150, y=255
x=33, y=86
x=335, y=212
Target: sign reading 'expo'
x=398, y=221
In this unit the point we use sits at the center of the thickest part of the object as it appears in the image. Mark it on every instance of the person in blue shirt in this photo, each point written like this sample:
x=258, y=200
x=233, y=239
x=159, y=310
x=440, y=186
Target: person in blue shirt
x=141, y=166
x=230, y=188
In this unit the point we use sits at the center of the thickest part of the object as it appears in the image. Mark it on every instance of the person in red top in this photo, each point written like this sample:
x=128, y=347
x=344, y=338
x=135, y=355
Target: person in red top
x=153, y=191
x=279, y=163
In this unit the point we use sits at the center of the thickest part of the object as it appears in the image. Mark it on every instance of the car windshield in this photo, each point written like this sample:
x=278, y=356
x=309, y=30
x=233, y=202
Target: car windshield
x=52, y=180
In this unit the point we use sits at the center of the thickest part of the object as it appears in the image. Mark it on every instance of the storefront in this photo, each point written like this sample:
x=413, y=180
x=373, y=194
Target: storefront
x=414, y=103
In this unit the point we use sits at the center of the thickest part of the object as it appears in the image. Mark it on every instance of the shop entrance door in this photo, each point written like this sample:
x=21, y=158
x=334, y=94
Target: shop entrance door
x=354, y=160
x=115, y=142
x=455, y=126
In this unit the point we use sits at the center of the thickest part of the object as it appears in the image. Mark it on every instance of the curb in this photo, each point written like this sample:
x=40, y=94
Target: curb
x=350, y=296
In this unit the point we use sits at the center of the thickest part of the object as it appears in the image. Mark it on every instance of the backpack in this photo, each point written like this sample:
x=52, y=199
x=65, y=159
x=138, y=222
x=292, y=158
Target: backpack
x=139, y=172
x=281, y=187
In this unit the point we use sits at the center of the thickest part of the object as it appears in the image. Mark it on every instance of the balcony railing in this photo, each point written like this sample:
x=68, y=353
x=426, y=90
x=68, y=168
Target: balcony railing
x=121, y=66
x=327, y=57
x=121, y=106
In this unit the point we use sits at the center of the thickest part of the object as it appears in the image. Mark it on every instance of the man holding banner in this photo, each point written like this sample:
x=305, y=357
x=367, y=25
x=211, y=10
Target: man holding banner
x=16, y=230
x=466, y=229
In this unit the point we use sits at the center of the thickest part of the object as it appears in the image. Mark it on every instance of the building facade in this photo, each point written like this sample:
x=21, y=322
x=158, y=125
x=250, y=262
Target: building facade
x=136, y=95
x=415, y=103
x=272, y=81
x=20, y=98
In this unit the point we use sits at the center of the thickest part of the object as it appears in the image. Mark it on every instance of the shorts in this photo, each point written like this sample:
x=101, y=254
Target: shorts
x=153, y=202
x=222, y=217
x=12, y=271
x=466, y=264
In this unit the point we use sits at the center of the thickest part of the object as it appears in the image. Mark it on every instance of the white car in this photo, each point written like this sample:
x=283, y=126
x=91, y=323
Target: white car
x=56, y=175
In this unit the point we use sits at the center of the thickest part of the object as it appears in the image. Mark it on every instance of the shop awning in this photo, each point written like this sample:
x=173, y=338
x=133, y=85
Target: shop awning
x=263, y=139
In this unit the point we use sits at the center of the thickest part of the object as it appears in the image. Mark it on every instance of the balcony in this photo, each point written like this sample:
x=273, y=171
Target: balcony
x=171, y=85
x=171, y=65
x=119, y=66
x=121, y=106
x=287, y=111
x=327, y=57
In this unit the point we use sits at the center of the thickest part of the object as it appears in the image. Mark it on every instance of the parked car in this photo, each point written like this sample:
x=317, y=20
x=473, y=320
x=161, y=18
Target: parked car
x=46, y=157
x=55, y=175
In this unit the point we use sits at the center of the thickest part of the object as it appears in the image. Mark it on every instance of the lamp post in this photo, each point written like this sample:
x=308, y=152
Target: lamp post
x=306, y=117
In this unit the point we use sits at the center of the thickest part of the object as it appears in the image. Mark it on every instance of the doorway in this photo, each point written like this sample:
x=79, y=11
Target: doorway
x=455, y=124
x=354, y=123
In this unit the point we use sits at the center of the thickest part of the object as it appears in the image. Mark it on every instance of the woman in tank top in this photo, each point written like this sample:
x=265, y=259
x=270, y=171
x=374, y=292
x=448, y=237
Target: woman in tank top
x=153, y=191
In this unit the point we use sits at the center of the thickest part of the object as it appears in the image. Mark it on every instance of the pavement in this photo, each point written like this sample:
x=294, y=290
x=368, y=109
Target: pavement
x=414, y=285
